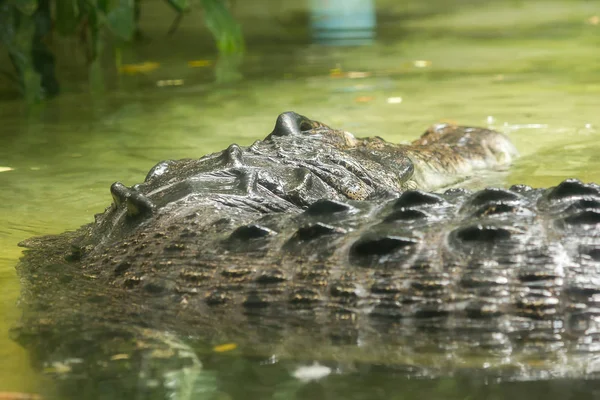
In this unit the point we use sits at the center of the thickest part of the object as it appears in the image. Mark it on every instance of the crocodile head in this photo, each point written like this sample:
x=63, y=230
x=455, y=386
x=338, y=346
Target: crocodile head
x=302, y=161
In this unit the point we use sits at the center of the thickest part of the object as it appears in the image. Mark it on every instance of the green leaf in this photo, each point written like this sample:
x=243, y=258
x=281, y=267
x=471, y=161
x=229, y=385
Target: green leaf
x=101, y=5
x=120, y=18
x=179, y=5
x=26, y=7
x=90, y=10
x=67, y=16
x=223, y=26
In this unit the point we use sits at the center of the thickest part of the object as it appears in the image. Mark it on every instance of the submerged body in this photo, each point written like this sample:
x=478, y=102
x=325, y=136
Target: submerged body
x=315, y=244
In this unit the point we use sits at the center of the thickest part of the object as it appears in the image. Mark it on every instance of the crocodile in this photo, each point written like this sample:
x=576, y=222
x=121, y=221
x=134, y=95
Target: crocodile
x=313, y=244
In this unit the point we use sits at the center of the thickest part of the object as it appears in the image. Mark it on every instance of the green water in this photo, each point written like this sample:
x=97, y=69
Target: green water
x=527, y=68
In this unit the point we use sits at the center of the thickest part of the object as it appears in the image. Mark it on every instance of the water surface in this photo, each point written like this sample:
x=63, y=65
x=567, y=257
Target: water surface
x=529, y=69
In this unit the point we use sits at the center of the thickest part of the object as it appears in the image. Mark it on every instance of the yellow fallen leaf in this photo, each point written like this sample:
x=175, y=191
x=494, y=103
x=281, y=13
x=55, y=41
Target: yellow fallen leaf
x=141, y=68
x=593, y=20
x=222, y=348
x=364, y=99
x=199, y=63
x=120, y=357
x=336, y=73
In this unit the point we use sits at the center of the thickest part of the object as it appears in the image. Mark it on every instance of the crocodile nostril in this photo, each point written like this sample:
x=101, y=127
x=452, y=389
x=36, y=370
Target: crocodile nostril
x=290, y=123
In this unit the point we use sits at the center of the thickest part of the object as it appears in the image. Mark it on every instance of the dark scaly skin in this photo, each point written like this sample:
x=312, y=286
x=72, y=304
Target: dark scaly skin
x=300, y=162
x=309, y=245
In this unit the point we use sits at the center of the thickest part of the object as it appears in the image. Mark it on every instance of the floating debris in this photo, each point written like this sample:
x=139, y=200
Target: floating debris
x=6, y=169
x=593, y=20
x=312, y=372
x=199, y=63
x=358, y=75
x=422, y=63
x=336, y=72
x=515, y=127
x=141, y=68
x=394, y=100
x=270, y=361
x=222, y=348
x=169, y=82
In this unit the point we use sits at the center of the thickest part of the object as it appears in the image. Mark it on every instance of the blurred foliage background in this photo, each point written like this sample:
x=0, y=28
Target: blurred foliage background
x=101, y=29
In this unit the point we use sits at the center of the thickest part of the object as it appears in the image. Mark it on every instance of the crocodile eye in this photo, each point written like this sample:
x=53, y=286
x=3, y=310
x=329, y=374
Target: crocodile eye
x=290, y=123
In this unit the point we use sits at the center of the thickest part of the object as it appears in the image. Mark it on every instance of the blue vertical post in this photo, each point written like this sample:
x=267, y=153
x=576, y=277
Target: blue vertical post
x=343, y=22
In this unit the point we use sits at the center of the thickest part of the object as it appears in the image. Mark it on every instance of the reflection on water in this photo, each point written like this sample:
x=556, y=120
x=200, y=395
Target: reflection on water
x=526, y=68
x=362, y=382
